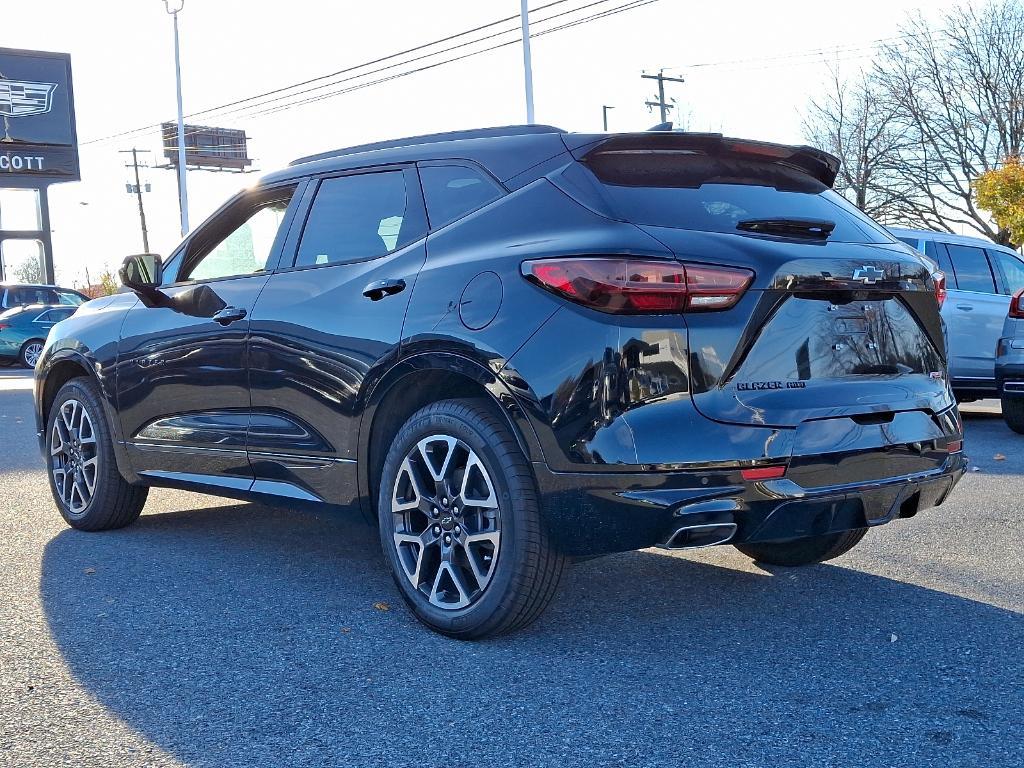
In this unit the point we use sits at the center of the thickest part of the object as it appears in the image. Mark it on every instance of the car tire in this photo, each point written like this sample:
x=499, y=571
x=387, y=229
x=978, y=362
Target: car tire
x=1013, y=413
x=806, y=551
x=84, y=480
x=482, y=570
x=30, y=352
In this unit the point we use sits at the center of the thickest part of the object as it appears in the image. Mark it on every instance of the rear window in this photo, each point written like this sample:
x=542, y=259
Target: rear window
x=685, y=190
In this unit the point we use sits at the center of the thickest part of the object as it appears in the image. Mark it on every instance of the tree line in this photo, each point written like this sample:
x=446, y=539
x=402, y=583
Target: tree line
x=930, y=134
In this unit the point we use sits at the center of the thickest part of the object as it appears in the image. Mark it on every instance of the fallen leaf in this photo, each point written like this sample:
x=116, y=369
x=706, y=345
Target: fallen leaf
x=345, y=630
x=382, y=606
x=999, y=457
x=893, y=638
x=975, y=469
x=89, y=571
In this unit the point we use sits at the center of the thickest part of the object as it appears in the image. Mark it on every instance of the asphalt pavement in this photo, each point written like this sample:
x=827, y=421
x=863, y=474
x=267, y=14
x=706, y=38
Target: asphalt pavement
x=215, y=633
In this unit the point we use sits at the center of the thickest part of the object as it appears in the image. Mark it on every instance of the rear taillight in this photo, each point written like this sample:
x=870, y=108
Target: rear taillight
x=939, y=278
x=955, y=446
x=1017, y=305
x=4, y=326
x=638, y=286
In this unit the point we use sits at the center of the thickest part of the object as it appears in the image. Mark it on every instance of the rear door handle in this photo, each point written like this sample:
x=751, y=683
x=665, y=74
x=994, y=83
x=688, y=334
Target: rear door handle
x=965, y=307
x=229, y=315
x=377, y=290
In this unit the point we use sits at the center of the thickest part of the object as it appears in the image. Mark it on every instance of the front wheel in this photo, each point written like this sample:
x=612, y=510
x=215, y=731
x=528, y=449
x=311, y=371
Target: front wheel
x=813, y=549
x=86, y=484
x=460, y=523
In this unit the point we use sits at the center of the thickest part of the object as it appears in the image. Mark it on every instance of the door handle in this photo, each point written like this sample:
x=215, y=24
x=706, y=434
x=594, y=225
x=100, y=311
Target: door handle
x=229, y=315
x=965, y=307
x=377, y=290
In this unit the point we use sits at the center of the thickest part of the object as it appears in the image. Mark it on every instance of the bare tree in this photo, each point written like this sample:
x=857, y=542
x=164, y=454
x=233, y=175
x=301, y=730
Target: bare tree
x=858, y=125
x=29, y=271
x=957, y=93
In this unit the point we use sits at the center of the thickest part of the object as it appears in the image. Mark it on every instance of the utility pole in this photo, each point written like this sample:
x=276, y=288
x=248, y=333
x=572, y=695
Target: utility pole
x=173, y=7
x=527, y=61
x=662, y=78
x=138, y=194
x=604, y=116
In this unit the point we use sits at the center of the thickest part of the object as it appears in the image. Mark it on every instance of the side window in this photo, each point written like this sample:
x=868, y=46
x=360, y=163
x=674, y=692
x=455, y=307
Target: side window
x=1010, y=270
x=355, y=218
x=54, y=316
x=452, y=191
x=937, y=253
x=241, y=241
x=911, y=241
x=971, y=268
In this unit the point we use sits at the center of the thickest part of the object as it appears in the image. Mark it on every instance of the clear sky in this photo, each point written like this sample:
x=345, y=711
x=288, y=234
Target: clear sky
x=750, y=67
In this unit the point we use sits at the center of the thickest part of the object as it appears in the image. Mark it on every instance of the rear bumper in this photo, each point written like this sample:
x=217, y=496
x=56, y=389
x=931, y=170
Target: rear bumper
x=593, y=513
x=1010, y=373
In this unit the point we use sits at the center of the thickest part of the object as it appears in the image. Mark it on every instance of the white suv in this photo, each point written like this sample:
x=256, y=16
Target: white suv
x=980, y=278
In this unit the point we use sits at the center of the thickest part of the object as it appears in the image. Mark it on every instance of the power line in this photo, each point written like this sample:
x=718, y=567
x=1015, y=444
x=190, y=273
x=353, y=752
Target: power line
x=321, y=97
x=415, y=59
x=345, y=70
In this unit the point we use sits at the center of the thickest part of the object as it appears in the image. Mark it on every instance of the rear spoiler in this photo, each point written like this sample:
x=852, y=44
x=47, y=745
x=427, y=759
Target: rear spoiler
x=815, y=163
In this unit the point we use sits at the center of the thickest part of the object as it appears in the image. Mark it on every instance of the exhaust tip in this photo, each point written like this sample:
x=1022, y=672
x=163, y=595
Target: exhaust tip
x=698, y=536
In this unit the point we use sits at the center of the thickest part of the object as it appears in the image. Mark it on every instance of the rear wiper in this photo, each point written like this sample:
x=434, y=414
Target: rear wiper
x=817, y=229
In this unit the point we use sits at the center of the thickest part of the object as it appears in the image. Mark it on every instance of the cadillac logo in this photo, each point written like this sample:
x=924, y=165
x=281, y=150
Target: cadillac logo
x=22, y=98
x=868, y=275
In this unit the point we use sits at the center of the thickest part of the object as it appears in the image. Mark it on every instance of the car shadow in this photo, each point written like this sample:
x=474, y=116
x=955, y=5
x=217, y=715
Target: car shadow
x=992, y=447
x=246, y=635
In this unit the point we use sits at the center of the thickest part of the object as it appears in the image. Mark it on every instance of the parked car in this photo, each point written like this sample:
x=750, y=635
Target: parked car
x=980, y=277
x=23, y=331
x=22, y=294
x=1010, y=364
x=513, y=347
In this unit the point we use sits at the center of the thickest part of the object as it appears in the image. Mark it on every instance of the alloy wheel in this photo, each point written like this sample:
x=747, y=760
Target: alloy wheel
x=447, y=522
x=32, y=353
x=74, y=456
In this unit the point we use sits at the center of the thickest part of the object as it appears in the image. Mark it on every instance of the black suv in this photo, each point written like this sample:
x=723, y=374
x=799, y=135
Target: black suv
x=514, y=347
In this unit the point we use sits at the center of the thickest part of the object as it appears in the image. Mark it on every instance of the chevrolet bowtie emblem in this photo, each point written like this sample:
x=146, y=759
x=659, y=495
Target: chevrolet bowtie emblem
x=868, y=274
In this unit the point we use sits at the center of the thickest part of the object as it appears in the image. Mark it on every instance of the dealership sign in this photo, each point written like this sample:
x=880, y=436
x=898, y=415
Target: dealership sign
x=37, y=116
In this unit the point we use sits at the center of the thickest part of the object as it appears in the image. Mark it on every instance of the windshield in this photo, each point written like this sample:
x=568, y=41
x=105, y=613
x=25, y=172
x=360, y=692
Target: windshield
x=69, y=298
x=715, y=194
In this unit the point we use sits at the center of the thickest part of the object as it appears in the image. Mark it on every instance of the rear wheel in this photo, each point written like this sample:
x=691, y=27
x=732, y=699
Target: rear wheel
x=813, y=549
x=1013, y=413
x=460, y=523
x=31, y=351
x=86, y=484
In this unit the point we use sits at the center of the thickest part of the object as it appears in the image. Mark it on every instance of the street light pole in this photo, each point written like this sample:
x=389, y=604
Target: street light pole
x=604, y=115
x=527, y=61
x=173, y=7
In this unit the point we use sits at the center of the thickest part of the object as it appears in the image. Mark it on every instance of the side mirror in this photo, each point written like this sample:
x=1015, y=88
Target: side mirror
x=143, y=273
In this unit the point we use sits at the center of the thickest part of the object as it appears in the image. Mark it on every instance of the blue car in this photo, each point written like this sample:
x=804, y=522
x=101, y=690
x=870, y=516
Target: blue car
x=1010, y=364
x=23, y=331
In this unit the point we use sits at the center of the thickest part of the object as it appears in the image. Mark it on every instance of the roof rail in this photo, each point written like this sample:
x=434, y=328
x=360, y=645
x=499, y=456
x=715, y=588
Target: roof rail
x=428, y=138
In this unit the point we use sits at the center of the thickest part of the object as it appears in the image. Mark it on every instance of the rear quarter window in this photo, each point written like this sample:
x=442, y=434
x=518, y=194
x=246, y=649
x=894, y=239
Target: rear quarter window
x=972, y=269
x=685, y=190
x=452, y=191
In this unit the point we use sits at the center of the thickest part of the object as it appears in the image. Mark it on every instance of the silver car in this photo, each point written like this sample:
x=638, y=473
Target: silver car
x=980, y=278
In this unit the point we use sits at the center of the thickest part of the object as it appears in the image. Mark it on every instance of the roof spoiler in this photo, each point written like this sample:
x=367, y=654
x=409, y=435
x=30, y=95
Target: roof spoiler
x=814, y=162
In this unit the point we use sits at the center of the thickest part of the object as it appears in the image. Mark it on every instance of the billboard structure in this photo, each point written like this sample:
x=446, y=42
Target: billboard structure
x=207, y=148
x=38, y=147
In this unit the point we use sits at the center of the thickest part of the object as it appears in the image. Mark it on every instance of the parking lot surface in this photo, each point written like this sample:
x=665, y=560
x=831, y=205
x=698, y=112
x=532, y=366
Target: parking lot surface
x=217, y=633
